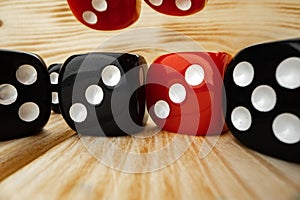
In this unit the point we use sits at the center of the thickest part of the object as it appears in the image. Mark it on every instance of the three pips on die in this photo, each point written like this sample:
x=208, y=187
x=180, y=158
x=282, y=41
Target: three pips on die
x=106, y=93
x=119, y=14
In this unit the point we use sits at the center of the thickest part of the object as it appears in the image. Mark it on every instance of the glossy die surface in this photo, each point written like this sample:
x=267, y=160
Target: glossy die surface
x=106, y=14
x=177, y=7
x=101, y=93
x=262, y=89
x=54, y=74
x=25, y=97
x=184, y=92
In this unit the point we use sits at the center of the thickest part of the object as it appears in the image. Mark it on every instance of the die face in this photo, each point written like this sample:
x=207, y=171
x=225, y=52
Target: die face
x=262, y=89
x=101, y=93
x=25, y=94
x=106, y=14
x=177, y=7
x=54, y=74
x=184, y=92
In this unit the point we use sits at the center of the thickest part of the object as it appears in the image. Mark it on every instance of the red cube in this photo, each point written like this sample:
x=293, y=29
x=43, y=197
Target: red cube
x=177, y=7
x=184, y=92
x=106, y=14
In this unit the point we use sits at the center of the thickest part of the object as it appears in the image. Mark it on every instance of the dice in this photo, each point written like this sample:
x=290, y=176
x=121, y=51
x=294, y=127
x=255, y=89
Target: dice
x=177, y=7
x=54, y=74
x=184, y=92
x=106, y=14
x=25, y=97
x=263, y=92
x=102, y=94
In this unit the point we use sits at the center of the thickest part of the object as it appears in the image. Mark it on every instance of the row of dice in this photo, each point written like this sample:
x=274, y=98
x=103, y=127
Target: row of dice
x=119, y=14
x=106, y=94
x=106, y=85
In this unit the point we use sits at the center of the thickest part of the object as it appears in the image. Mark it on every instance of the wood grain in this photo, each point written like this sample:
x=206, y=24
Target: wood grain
x=55, y=163
x=17, y=153
x=229, y=171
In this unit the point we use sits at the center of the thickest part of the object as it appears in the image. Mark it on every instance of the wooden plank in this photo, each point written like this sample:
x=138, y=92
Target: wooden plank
x=68, y=171
x=16, y=154
x=55, y=164
x=49, y=29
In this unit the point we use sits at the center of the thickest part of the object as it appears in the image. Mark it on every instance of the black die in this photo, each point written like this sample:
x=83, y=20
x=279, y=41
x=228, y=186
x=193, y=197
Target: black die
x=25, y=97
x=54, y=74
x=102, y=94
x=263, y=98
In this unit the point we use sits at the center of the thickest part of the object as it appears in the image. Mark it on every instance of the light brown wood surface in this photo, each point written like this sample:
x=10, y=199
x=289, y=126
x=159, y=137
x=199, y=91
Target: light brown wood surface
x=55, y=163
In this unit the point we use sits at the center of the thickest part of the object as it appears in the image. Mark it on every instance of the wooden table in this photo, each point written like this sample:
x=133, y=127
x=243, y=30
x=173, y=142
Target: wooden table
x=55, y=164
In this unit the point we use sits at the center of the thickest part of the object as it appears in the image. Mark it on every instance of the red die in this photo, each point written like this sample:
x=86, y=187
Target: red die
x=177, y=7
x=106, y=14
x=184, y=92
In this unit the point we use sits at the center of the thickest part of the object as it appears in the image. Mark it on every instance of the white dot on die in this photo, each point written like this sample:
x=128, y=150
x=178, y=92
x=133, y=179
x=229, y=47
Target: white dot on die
x=78, y=112
x=177, y=93
x=94, y=94
x=194, y=75
x=111, y=75
x=264, y=98
x=54, y=78
x=243, y=74
x=162, y=109
x=26, y=74
x=286, y=128
x=89, y=17
x=241, y=118
x=183, y=5
x=99, y=5
x=55, y=98
x=8, y=94
x=288, y=73
x=156, y=2
x=29, y=112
